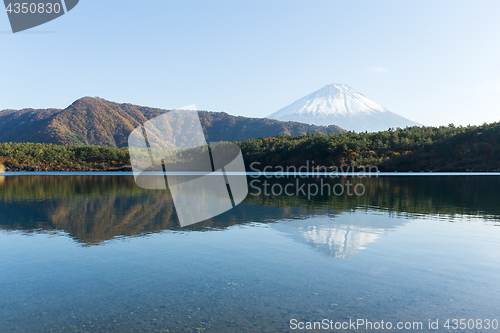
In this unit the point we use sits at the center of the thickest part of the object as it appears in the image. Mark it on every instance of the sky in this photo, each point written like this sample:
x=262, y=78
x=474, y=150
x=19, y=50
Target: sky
x=434, y=62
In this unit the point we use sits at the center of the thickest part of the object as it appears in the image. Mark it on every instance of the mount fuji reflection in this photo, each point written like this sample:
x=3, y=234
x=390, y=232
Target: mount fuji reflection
x=96, y=209
x=97, y=253
x=331, y=236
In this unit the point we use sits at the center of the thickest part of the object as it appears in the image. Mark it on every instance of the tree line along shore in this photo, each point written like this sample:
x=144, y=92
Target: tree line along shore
x=446, y=148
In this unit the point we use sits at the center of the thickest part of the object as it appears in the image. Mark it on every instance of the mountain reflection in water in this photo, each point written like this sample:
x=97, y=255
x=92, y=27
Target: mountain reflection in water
x=95, y=209
x=97, y=253
x=338, y=241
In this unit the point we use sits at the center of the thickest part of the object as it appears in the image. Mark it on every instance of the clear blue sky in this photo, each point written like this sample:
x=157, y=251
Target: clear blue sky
x=435, y=62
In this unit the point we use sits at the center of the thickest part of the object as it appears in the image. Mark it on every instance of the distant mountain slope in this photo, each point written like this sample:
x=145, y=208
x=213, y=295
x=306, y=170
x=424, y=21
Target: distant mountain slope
x=343, y=106
x=27, y=125
x=95, y=121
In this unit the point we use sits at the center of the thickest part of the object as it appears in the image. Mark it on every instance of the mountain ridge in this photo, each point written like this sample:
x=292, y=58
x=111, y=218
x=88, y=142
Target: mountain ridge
x=96, y=121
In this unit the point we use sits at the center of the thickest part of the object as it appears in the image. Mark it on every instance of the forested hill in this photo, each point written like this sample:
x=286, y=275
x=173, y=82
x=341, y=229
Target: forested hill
x=446, y=148
x=95, y=121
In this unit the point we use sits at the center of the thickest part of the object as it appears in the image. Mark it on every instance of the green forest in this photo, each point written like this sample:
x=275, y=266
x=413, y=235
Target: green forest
x=445, y=148
x=50, y=157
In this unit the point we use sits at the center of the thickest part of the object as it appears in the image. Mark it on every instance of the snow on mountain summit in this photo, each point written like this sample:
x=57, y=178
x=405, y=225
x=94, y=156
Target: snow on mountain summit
x=331, y=99
x=339, y=104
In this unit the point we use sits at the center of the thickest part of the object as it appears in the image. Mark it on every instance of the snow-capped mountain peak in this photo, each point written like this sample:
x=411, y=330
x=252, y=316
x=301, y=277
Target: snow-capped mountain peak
x=339, y=104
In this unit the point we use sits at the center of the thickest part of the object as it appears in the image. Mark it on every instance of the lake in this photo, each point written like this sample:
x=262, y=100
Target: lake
x=96, y=253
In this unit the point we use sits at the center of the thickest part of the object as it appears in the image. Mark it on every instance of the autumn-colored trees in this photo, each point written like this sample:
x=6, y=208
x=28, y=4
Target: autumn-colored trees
x=49, y=157
x=445, y=148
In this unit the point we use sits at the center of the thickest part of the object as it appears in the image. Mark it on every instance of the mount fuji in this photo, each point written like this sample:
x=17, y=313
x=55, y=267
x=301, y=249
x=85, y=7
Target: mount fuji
x=343, y=106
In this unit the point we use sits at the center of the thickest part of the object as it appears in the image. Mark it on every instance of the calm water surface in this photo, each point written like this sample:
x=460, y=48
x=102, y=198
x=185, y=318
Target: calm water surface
x=98, y=254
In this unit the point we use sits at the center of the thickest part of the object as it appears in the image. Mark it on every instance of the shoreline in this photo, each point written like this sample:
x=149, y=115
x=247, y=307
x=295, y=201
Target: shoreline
x=255, y=174
x=268, y=170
